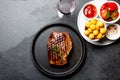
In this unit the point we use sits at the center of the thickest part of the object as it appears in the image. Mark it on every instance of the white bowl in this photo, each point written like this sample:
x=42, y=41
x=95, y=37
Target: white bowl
x=85, y=6
x=113, y=35
x=95, y=29
x=113, y=21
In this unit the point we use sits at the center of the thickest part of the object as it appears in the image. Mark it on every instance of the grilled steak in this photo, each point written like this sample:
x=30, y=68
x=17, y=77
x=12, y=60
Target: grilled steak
x=59, y=46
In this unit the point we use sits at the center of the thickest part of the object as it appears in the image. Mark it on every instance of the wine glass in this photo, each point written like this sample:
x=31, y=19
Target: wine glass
x=65, y=7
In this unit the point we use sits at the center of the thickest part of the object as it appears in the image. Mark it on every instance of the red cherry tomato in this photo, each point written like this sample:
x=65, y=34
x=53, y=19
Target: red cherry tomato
x=112, y=6
x=104, y=6
x=103, y=14
x=117, y=14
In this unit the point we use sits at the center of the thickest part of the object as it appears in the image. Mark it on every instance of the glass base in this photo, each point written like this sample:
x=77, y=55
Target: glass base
x=61, y=14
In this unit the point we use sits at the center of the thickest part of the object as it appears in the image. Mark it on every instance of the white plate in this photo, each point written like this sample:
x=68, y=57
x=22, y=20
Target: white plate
x=82, y=20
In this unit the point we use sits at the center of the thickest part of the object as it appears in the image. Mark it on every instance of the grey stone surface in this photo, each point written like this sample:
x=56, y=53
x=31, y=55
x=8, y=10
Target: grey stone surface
x=23, y=18
x=20, y=20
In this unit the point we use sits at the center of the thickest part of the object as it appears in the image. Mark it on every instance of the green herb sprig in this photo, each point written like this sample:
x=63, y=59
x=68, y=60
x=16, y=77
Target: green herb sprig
x=108, y=15
x=54, y=49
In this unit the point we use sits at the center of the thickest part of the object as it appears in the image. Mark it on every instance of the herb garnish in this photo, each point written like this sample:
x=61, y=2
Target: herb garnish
x=54, y=49
x=108, y=14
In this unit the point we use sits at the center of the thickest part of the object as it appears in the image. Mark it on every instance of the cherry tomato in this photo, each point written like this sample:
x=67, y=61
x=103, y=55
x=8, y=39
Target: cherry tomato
x=116, y=15
x=112, y=6
x=104, y=6
x=103, y=14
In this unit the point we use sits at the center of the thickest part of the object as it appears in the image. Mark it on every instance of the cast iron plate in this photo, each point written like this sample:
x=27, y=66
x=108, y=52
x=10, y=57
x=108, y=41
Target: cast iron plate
x=40, y=54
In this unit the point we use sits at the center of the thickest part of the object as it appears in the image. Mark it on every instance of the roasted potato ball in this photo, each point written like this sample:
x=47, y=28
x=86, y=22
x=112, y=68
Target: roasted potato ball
x=87, y=24
x=100, y=23
x=99, y=36
x=95, y=32
x=90, y=30
x=102, y=30
x=93, y=21
x=87, y=32
x=92, y=27
x=91, y=36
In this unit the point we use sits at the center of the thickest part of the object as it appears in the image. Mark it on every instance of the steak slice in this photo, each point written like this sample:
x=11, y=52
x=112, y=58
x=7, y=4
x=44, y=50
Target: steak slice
x=59, y=46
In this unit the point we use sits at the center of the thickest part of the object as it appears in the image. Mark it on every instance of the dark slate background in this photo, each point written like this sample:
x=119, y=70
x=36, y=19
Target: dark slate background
x=20, y=20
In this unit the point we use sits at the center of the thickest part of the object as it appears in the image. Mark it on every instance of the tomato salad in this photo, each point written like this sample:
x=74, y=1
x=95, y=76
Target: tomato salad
x=109, y=11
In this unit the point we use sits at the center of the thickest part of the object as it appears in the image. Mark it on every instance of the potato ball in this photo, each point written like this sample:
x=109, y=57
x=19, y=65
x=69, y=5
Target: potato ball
x=90, y=30
x=93, y=21
x=92, y=27
x=97, y=27
x=95, y=32
x=99, y=36
x=102, y=30
x=87, y=24
x=87, y=32
x=91, y=36
x=100, y=24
